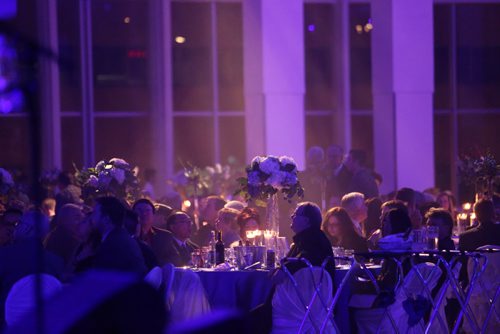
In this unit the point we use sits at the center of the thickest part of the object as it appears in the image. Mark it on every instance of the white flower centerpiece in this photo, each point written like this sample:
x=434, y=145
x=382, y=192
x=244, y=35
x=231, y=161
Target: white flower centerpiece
x=109, y=178
x=266, y=177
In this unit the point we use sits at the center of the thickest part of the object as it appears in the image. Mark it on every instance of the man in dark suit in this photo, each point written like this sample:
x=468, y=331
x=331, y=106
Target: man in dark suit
x=488, y=231
x=158, y=239
x=118, y=251
x=181, y=247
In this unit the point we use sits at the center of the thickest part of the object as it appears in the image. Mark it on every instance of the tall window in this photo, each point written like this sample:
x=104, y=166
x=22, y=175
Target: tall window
x=207, y=82
x=467, y=75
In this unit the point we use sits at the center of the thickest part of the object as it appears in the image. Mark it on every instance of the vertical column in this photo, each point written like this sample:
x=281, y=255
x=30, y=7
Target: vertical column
x=87, y=69
x=274, y=78
x=403, y=85
x=161, y=89
x=342, y=116
x=50, y=102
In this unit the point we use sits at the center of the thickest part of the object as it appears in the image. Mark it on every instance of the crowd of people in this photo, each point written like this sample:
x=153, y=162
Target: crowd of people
x=112, y=234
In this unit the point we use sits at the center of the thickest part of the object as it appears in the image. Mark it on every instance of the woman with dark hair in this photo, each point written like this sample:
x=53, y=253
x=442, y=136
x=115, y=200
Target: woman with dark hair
x=339, y=229
x=396, y=221
x=248, y=220
x=446, y=201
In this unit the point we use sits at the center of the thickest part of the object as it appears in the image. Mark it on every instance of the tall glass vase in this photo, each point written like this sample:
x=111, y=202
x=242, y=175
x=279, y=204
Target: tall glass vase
x=273, y=214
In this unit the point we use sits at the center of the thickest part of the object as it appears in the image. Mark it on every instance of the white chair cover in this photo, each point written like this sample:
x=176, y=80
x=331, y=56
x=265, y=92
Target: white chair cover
x=21, y=297
x=381, y=320
x=186, y=296
x=288, y=302
x=487, y=288
x=154, y=277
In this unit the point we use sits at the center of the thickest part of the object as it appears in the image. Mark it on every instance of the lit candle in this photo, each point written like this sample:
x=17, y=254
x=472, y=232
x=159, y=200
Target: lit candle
x=466, y=206
x=472, y=218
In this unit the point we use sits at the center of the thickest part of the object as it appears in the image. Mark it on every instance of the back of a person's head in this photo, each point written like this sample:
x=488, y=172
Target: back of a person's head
x=217, y=201
x=163, y=210
x=175, y=217
x=373, y=205
x=68, y=215
x=352, y=201
x=228, y=214
x=27, y=227
x=112, y=208
x=399, y=220
x=394, y=204
x=235, y=205
x=312, y=212
x=247, y=214
x=406, y=195
x=359, y=156
x=485, y=211
x=64, y=179
x=131, y=221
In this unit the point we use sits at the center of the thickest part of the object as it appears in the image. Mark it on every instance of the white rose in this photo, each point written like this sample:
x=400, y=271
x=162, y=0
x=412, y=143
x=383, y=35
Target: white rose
x=270, y=165
x=284, y=160
x=118, y=174
x=257, y=160
x=93, y=181
x=100, y=165
x=276, y=179
x=119, y=163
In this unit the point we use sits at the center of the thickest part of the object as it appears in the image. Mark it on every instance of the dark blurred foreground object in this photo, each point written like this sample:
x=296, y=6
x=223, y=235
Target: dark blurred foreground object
x=101, y=302
x=220, y=322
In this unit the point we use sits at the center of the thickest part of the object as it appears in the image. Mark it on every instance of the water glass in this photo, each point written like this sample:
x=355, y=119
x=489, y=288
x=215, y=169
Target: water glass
x=432, y=237
x=196, y=259
x=419, y=240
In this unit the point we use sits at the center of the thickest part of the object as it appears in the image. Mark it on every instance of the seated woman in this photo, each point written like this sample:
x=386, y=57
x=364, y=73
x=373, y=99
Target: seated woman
x=339, y=229
x=248, y=220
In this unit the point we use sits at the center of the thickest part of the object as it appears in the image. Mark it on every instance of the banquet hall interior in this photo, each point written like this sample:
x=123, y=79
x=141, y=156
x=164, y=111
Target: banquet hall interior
x=262, y=128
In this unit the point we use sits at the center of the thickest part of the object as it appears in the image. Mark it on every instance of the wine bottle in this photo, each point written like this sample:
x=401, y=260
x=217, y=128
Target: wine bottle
x=219, y=249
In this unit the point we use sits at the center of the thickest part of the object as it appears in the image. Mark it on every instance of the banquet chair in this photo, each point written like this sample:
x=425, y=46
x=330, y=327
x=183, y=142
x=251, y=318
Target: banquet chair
x=185, y=296
x=406, y=314
x=154, y=277
x=437, y=320
x=300, y=302
x=21, y=297
x=484, y=300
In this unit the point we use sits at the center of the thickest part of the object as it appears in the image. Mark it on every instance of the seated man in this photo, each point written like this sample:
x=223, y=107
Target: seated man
x=309, y=241
x=118, y=251
x=155, y=237
x=354, y=204
x=441, y=218
x=180, y=248
x=488, y=231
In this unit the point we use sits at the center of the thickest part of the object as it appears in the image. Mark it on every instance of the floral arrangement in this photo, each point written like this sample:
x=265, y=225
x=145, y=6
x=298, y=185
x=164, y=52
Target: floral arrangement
x=479, y=172
x=6, y=182
x=109, y=178
x=193, y=181
x=266, y=176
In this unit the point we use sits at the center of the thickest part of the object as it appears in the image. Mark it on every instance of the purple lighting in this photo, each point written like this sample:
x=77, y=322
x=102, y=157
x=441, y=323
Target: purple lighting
x=311, y=27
